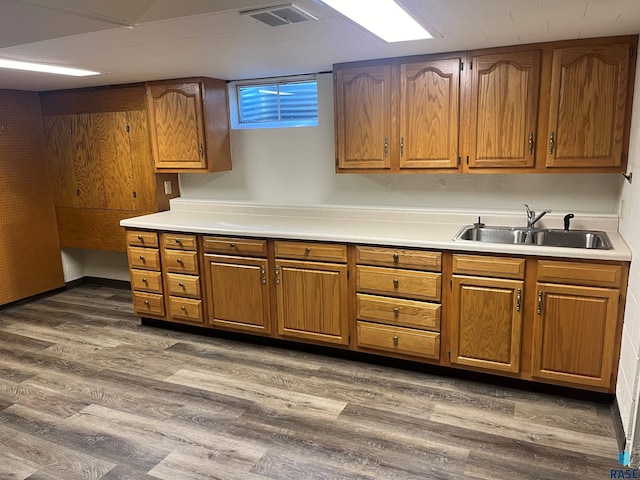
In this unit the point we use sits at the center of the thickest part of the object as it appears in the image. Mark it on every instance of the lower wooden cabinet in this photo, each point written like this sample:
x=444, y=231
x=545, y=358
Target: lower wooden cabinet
x=312, y=301
x=486, y=320
x=238, y=293
x=574, y=334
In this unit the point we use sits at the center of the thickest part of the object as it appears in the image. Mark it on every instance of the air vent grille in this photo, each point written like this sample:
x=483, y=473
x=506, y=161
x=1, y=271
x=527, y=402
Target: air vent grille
x=277, y=15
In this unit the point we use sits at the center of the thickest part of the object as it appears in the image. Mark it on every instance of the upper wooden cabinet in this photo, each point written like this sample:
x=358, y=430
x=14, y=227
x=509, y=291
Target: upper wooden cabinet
x=398, y=116
x=543, y=108
x=363, y=117
x=588, y=105
x=504, y=109
x=189, y=125
x=100, y=164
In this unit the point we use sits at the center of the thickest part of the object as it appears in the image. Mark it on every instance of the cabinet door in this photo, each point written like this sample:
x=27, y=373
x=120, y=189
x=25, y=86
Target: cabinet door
x=573, y=334
x=363, y=117
x=312, y=301
x=429, y=114
x=85, y=148
x=587, y=106
x=59, y=135
x=238, y=293
x=486, y=323
x=504, y=109
x=176, y=125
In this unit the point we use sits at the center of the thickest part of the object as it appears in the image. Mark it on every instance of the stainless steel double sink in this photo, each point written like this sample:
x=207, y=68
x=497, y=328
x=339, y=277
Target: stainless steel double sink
x=536, y=236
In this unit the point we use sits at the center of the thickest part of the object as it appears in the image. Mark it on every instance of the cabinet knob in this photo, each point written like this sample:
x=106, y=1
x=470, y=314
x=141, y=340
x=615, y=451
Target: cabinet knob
x=396, y=283
x=396, y=311
x=144, y=280
x=395, y=340
x=179, y=260
x=232, y=244
x=396, y=258
x=146, y=302
x=178, y=241
x=183, y=308
x=141, y=257
x=307, y=250
x=181, y=285
x=140, y=238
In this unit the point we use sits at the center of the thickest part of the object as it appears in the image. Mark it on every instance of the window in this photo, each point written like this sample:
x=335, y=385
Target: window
x=274, y=103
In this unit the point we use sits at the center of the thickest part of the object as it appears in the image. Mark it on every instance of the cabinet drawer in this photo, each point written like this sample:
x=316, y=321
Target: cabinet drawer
x=145, y=258
x=484, y=266
x=148, y=304
x=397, y=257
x=186, y=309
x=146, y=281
x=184, y=285
x=235, y=246
x=580, y=273
x=178, y=241
x=394, y=311
x=142, y=239
x=177, y=261
x=399, y=283
x=406, y=341
x=327, y=252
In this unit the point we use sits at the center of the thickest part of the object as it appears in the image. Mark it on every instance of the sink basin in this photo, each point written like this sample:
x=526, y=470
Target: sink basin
x=541, y=237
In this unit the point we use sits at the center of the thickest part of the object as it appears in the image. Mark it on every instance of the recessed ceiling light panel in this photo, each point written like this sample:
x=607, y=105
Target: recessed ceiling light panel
x=43, y=68
x=384, y=18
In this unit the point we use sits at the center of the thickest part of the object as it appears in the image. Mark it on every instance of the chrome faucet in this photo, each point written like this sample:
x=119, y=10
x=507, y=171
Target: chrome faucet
x=532, y=219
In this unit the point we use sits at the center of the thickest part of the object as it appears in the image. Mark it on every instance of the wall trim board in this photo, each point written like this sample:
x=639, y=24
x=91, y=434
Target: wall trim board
x=618, y=426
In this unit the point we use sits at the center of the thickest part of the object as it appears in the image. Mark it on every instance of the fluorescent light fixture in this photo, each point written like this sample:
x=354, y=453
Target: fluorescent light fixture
x=39, y=67
x=384, y=18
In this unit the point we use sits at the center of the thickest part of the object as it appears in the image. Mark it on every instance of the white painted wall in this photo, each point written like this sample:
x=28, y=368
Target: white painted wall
x=627, y=391
x=78, y=263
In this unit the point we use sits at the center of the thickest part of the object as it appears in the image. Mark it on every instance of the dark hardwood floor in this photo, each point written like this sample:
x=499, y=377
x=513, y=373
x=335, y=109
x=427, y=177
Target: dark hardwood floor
x=87, y=392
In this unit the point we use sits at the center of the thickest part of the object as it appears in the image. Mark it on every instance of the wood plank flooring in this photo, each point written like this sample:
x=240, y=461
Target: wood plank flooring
x=87, y=392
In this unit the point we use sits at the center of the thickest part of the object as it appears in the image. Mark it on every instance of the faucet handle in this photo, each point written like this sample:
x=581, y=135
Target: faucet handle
x=567, y=220
x=530, y=213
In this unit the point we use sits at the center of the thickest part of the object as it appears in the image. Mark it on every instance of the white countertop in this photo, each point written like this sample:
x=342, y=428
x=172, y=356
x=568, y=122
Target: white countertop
x=424, y=228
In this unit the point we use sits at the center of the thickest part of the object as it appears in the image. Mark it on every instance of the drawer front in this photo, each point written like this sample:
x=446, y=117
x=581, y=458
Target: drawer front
x=394, y=311
x=144, y=258
x=146, y=281
x=399, y=283
x=591, y=274
x=235, y=246
x=148, y=304
x=407, y=341
x=184, y=285
x=186, y=309
x=398, y=257
x=177, y=241
x=325, y=252
x=142, y=239
x=501, y=267
x=177, y=261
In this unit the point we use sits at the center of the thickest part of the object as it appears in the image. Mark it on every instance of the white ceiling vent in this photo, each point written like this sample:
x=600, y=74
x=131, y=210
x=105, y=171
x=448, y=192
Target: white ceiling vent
x=277, y=15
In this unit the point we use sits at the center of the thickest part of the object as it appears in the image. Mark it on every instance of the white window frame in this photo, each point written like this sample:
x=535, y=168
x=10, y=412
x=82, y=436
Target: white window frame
x=234, y=106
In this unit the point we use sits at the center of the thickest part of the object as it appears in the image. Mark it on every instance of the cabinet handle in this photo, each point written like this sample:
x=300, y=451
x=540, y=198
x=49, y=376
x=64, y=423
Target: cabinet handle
x=395, y=340
x=263, y=275
x=277, y=275
x=179, y=260
x=552, y=140
x=140, y=238
x=401, y=147
x=144, y=279
x=181, y=285
x=530, y=143
x=396, y=258
x=396, y=312
x=386, y=146
x=396, y=283
x=146, y=302
x=232, y=244
x=539, y=302
x=518, y=299
x=307, y=251
x=201, y=150
x=178, y=241
x=141, y=257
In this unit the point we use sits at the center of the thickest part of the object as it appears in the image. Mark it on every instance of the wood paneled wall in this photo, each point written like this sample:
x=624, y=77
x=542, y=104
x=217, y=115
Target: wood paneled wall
x=29, y=247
